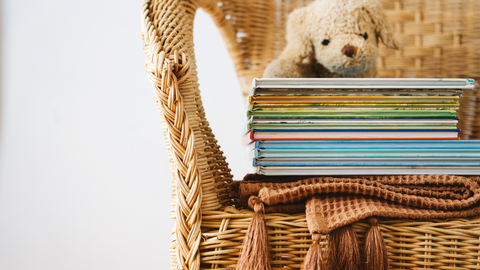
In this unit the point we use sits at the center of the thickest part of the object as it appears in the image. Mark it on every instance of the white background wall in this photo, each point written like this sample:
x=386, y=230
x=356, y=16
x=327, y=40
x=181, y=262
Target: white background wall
x=84, y=173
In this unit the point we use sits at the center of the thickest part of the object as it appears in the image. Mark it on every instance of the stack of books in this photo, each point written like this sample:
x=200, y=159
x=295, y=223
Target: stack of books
x=359, y=126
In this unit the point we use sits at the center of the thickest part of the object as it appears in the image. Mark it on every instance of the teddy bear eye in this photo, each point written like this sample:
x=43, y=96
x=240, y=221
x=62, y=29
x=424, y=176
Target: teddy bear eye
x=325, y=42
x=365, y=36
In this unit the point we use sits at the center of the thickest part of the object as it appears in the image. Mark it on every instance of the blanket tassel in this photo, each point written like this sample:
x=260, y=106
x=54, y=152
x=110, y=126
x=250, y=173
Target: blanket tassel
x=314, y=258
x=254, y=254
x=376, y=257
x=344, y=249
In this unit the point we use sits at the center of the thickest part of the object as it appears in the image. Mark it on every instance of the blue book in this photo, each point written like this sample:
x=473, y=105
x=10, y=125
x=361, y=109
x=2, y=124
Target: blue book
x=367, y=163
x=363, y=149
x=367, y=170
x=369, y=144
x=367, y=154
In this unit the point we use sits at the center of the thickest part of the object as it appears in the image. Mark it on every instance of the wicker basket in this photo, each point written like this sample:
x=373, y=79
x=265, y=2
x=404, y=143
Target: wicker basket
x=439, y=38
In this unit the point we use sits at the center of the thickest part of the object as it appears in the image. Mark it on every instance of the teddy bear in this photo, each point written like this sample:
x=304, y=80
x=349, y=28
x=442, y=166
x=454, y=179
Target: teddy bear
x=333, y=39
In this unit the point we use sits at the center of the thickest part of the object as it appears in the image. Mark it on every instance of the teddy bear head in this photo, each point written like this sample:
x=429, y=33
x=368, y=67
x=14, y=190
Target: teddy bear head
x=345, y=34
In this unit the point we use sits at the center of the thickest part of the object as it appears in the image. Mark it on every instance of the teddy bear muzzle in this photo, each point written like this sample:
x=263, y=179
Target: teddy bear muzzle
x=349, y=50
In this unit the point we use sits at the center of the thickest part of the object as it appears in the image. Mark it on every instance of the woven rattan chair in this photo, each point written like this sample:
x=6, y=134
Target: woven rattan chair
x=439, y=39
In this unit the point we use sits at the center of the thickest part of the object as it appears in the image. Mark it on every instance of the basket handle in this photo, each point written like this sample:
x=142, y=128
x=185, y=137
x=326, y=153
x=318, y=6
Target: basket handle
x=167, y=66
x=188, y=180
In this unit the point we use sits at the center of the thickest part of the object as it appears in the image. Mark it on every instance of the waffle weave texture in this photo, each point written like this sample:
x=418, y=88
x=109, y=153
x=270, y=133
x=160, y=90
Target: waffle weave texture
x=341, y=201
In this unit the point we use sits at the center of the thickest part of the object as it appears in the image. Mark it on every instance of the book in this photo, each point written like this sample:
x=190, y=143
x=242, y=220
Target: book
x=361, y=83
x=263, y=92
x=354, y=99
x=340, y=114
x=368, y=170
x=353, y=134
x=340, y=121
x=368, y=144
x=376, y=153
x=346, y=126
x=359, y=126
x=360, y=162
x=282, y=119
x=327, y=109
x=365, y=106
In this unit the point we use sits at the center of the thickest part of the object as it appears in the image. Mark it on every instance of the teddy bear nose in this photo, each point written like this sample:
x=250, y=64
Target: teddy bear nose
x=349, y=50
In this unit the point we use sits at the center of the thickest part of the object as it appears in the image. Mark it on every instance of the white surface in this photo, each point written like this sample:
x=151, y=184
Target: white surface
x=84, y=173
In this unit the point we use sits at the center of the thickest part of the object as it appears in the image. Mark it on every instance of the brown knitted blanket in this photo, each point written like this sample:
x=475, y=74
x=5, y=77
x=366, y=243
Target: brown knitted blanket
x=344, y=200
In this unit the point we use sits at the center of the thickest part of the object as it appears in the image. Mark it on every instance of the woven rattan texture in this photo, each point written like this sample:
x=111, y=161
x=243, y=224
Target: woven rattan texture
x=200, y=173
x=439, y=39
x=254, y=34
x=411, y=244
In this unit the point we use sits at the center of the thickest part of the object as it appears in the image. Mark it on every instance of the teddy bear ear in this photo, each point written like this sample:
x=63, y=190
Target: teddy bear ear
x=383, y=27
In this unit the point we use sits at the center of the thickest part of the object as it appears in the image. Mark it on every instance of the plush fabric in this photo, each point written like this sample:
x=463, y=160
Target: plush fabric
x=333, y=39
